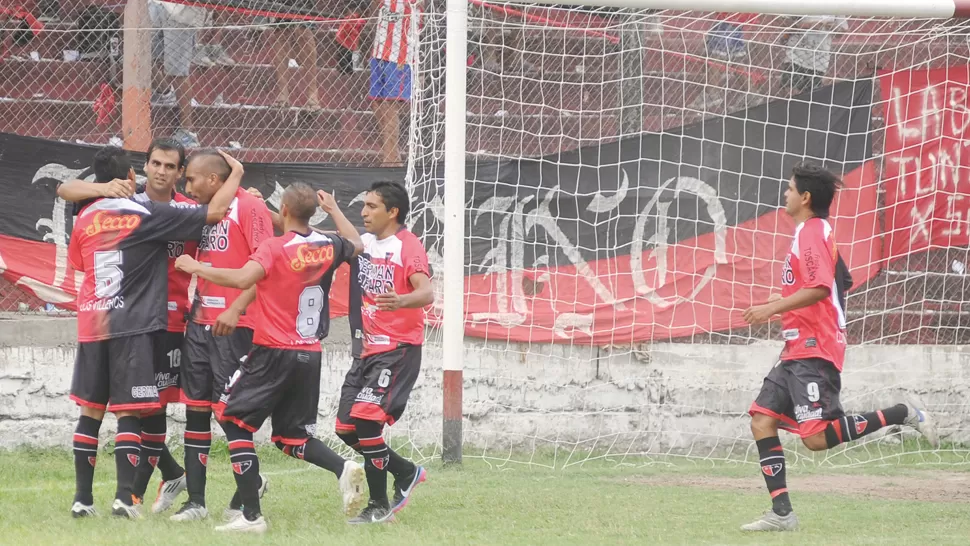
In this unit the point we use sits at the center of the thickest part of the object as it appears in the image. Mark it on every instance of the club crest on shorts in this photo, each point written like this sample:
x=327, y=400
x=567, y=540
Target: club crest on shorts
x=241, y=467
x=204, y=459
x=381, y=463
x=93, y=461
x=300, y=452
x=134, y=459
x=860, y=424
x=153, y=460
x=772, y=469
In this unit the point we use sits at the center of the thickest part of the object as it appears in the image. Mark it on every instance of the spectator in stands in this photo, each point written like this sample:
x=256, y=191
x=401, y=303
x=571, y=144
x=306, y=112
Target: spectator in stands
x=295, y=40
x=725, y=43
x=390, y=71
x=212, y=53
x=808, y=52
x=174, y=43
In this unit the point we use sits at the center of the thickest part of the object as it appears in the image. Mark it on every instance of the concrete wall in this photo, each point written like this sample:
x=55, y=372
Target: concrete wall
x=664, y=398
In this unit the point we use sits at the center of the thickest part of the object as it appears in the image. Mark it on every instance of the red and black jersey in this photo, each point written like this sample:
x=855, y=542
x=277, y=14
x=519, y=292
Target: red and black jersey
x=816, y=331
x=385, y=265
x=292, y=300
x=229, y=244
x=178, y=281
x=122, y=248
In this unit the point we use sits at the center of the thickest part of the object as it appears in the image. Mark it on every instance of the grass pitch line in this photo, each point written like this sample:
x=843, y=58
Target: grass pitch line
x=66, y=486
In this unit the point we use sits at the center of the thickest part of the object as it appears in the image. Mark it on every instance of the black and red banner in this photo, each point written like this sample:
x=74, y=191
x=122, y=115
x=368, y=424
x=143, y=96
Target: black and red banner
x=649, y=238
x=926, y=174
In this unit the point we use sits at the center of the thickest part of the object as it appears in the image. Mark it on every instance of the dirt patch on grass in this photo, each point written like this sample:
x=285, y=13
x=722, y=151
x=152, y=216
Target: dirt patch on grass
x=931, y=486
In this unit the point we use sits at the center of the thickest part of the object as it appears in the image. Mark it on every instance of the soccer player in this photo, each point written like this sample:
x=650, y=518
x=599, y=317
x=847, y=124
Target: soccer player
x=281, y=376
x=219, y=332
x=394, y=283
x=164, y=166
x=121, y=247
x=801, y=392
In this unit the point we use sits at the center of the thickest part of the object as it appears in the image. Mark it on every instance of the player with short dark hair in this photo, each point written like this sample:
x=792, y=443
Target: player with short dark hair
x=164, y=166
x=801, y=392
x=394, y=282
x=219, y=332
x=121, y=247
x=281, y=376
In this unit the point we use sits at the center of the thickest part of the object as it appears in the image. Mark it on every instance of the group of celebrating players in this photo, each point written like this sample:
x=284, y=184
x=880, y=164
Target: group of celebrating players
x=247, y=346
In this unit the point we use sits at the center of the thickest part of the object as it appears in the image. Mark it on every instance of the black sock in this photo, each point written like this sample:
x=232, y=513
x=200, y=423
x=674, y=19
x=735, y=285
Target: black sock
x=376, y=459
x=773, y=468
x=398, y=466
x=127, y=456
x=245, y=468
x=169, y=467
x=316, y=453
x=853, y=427
x=152, y=442
x=198, y=440
x=85, y=458
x=351, y=439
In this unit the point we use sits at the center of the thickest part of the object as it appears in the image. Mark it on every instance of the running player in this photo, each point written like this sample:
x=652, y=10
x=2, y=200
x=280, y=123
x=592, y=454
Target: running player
x=163, y=168
x=801, y=392
x=121, y=247
x=281, y=376
x=394, y=283
x=219, y=332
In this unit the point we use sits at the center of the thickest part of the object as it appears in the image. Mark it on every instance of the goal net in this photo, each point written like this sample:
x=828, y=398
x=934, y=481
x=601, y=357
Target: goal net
x=624, y=206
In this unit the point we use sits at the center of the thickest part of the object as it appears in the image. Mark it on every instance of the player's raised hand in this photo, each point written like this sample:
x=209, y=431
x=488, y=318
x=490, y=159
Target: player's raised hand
x=186, y=264
x=117, y=189
x=255, y=193
x=326, y=201
x=234, y=163
x=389, y=301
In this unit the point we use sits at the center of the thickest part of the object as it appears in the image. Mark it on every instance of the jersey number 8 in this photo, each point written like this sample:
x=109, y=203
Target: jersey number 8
x=311, y=303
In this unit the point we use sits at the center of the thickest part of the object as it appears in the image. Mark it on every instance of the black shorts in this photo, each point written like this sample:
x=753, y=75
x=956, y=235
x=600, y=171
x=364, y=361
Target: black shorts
x=802, y=394
x=377, y=387
x=117, y=374
x=208, y=361
x=168, y=362
x=284, y=383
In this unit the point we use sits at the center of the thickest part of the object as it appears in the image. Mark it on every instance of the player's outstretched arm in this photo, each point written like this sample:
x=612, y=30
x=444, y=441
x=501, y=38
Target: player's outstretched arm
x=801, y=298
x=219, y=205
x=344, y=227
x=75, y=191
x=422, y=295
x=242, y=278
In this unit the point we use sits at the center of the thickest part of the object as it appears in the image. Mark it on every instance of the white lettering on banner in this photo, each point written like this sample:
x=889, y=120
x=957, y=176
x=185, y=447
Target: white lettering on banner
x=659, y=240
x=504, y=262
x=927, y=138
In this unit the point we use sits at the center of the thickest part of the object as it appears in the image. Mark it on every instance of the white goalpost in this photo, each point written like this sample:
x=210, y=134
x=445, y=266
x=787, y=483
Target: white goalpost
x=611, y=182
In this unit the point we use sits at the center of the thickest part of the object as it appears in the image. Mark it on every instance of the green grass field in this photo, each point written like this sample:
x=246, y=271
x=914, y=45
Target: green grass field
x=681, y=502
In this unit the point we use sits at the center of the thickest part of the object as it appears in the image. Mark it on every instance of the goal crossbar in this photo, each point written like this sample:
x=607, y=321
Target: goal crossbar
x=882, y=8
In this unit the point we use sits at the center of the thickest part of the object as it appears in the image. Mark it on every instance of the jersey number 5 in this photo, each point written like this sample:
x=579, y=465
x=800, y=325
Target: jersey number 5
x=311, y=303
x=107, y=274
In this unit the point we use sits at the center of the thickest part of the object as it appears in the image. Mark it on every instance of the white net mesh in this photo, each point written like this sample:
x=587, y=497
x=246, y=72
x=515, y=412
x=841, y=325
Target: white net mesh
x=626, y=170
